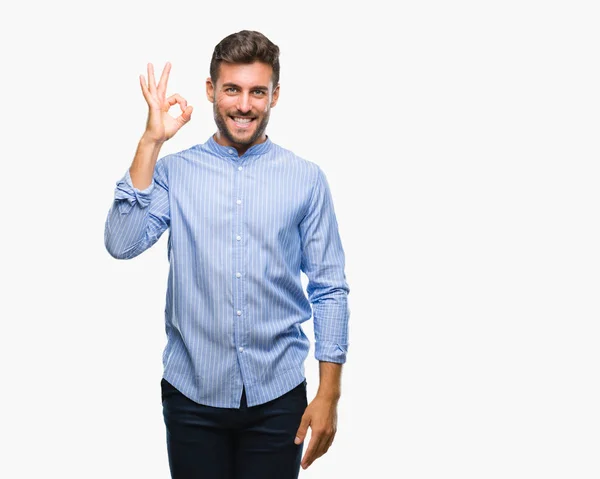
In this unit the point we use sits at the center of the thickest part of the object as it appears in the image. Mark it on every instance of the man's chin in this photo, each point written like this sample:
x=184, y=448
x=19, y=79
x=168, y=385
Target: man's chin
x=243, y=140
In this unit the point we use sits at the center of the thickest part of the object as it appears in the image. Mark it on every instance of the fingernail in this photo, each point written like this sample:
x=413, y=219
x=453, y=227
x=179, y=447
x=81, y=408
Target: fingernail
x=297, y=440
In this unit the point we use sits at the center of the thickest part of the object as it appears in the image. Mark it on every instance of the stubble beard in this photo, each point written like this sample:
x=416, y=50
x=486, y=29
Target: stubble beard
x=226, y=132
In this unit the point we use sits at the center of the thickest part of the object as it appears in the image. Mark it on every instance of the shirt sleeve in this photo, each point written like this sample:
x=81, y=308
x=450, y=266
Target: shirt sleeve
x=137, y=218
x=323, y=262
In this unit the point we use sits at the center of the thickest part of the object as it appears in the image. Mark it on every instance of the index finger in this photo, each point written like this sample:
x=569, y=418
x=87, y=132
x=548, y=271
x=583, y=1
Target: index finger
x=164, y=78
x=310, y=455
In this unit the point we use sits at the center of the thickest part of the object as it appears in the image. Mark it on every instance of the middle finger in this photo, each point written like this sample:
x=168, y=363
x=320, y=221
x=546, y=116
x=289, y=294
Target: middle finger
x=322, y=446
x=164, y=78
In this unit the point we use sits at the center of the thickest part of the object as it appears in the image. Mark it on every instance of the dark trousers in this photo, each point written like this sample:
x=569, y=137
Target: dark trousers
x=205, y=442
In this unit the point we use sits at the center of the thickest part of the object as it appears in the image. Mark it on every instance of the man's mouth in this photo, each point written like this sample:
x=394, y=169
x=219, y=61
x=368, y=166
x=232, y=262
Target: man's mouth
x=242, y=121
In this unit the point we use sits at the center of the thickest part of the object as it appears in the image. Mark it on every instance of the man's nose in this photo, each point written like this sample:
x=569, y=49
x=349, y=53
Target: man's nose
x=244, y=105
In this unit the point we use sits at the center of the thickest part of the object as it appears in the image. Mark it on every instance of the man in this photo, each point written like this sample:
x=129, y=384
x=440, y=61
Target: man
x=246, y=216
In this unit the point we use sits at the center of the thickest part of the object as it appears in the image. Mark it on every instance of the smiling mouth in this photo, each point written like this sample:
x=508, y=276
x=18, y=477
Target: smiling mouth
x=242, y=122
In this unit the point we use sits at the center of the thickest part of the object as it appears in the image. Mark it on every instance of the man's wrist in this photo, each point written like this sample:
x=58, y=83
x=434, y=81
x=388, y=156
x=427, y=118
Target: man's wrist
x=329, y=395
x=145, y=140
x=329, y=381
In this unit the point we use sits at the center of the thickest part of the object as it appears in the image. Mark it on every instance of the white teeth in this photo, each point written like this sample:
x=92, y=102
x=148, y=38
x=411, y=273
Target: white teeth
x=243, y=120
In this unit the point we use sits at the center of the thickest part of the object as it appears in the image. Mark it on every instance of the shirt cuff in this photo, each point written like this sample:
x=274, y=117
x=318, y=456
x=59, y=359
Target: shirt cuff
x=128, y=195
x=331, y=352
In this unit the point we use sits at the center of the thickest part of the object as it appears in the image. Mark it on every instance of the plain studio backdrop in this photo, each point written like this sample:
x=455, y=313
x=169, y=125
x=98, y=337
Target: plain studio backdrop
x=460, y=141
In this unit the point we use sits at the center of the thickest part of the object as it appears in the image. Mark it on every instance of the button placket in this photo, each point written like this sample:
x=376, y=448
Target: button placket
x=238, y=263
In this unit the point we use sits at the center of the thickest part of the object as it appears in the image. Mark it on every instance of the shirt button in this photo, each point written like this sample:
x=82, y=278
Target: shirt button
x=238, y=237
x=238, y=275
x=231, y=151
x=241, y=350
x=239, y=313
x=239, y=202
x=240, y=168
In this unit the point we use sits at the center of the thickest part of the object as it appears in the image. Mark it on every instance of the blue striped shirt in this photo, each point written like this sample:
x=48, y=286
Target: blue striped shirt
x=241, y=229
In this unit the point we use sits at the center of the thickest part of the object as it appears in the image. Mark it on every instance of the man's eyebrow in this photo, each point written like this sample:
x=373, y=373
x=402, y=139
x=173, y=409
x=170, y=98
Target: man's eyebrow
x=256, y=87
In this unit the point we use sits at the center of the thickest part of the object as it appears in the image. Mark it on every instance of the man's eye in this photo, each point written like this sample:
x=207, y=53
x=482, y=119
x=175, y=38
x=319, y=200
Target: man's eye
x=260, y=92
x=230, y=88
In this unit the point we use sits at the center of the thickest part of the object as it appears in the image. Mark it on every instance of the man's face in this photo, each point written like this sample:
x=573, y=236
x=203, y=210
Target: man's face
x=242, y=100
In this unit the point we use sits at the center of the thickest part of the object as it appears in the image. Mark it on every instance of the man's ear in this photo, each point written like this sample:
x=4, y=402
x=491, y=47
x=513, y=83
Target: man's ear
x=275, y=96
x=210, y=90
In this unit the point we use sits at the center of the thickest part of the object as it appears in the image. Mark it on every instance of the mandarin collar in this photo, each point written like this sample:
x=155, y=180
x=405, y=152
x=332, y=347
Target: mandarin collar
x=231, y=152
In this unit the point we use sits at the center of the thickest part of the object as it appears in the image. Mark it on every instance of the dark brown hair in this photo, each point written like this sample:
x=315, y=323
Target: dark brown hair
x=245, y=47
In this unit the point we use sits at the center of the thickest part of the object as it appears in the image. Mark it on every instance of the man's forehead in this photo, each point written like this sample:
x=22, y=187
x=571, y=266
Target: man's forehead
x=246, y=74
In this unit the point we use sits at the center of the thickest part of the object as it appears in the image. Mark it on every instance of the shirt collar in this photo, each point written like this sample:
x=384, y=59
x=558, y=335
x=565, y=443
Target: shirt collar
x=231, y=152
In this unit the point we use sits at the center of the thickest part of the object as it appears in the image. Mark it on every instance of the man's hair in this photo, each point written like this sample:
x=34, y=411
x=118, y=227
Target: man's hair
x=245, y=47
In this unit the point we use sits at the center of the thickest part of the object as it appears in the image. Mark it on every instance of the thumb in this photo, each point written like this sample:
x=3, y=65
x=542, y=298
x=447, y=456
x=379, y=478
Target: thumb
x=187, y=114
x=301, y=433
